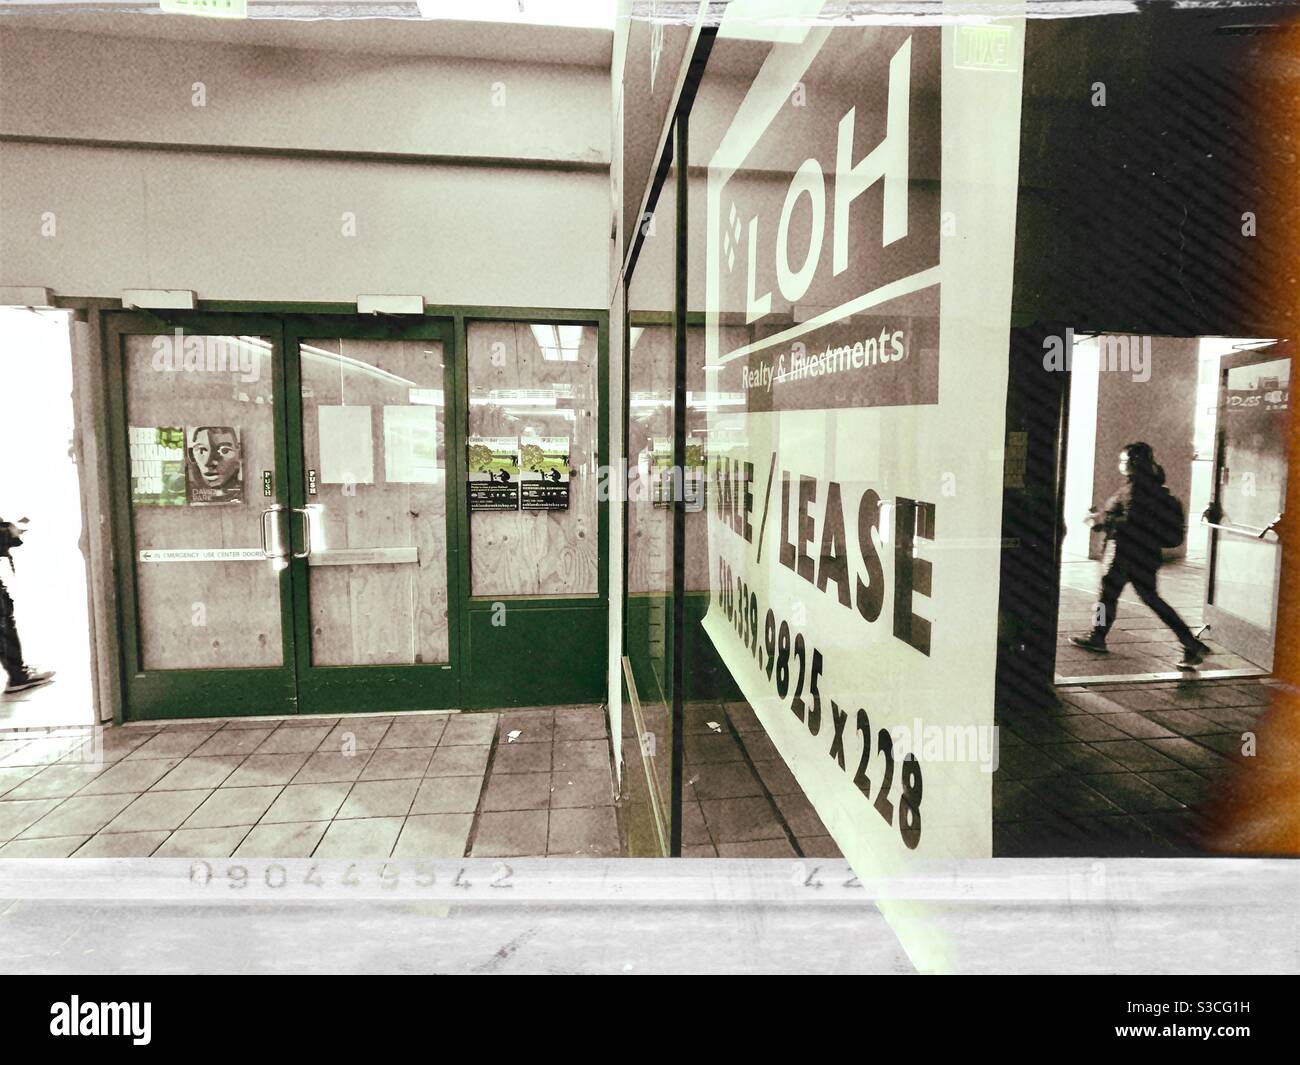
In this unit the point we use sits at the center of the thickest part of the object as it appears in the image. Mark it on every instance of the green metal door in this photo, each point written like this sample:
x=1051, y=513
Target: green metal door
x=200, y=507
x=372, y=513
x=286, y=531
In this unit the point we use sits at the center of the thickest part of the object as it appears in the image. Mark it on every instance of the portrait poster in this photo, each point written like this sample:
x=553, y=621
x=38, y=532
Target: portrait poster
x=214, y=465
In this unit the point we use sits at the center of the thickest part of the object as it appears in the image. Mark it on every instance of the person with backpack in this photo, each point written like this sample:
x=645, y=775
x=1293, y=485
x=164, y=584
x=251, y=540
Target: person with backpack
x=1139, y=520
x=21, y=677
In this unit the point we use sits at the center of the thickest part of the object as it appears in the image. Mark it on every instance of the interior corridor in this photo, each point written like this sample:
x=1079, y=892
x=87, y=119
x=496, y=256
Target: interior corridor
x=1139, y=644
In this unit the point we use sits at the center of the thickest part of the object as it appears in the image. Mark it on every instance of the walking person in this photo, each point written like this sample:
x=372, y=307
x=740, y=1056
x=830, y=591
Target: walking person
x=20, y=677
x=1139, y=520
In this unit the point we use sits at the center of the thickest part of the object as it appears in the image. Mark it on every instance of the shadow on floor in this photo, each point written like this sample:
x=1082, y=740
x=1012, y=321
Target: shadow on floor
x=1124, y=771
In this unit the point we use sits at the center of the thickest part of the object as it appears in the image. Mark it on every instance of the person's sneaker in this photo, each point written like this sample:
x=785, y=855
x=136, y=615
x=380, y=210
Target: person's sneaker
x=1089, y=643
x=1194, y=656
x=31, y=679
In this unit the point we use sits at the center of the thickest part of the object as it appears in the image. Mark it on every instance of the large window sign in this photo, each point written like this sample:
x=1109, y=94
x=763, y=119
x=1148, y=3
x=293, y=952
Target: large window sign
x=860, y=207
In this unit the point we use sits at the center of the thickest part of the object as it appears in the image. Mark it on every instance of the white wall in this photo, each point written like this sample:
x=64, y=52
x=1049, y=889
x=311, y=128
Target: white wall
x=1160, y=411
x=117, y=88
x=132, y=211
x=269, y=228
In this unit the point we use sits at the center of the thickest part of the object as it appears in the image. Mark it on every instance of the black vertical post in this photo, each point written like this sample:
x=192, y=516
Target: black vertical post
x=679, y=486
x=1032, y=529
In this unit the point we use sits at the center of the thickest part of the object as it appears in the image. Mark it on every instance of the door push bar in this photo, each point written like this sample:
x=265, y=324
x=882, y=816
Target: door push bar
x=1274, y=527
x=276, y=552
x=306, y=532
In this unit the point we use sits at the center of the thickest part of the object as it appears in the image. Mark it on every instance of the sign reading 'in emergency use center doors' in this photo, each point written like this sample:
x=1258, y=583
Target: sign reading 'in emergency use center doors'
x=861, y=210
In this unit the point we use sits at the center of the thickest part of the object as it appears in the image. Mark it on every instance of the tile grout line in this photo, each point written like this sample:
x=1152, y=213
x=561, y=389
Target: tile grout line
x=351, y=785
x=771, y=799
x=483, y=789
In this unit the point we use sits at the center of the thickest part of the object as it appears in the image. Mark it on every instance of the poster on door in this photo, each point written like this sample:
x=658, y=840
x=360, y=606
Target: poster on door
x=855, y=489
x=543, y=472
x=493, y=471
x=157, y=455
x=694, y=477
x=214, y=465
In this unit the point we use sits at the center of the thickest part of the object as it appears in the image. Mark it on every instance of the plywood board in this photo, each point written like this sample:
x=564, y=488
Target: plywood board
x=514, y=388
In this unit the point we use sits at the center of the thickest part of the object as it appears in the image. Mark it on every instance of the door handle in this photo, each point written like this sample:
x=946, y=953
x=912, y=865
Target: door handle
x=1274, y=527
x=306, y=532
x=272, y=512
x=1245, y=530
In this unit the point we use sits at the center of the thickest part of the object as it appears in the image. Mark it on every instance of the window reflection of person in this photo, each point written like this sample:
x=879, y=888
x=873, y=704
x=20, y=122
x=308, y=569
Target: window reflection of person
x=215, y=462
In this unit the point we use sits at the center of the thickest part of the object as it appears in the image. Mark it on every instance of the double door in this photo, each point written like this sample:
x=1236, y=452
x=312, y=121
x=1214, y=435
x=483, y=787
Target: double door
x=286, y=535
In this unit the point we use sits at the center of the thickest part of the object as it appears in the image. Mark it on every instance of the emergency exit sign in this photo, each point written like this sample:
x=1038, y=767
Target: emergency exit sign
x=209, y=8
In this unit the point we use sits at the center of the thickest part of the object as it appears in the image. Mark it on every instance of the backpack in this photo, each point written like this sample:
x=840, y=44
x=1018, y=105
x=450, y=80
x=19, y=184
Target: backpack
x=1169, y=520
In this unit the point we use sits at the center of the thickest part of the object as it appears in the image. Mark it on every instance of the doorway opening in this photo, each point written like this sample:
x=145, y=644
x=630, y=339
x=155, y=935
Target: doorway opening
x=1209, y=417
x=40, y=482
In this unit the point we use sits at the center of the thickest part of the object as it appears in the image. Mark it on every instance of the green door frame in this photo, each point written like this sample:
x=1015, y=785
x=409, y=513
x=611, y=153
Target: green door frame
x=367, y=688
x=559, y=622
x=475, y=679
x=190, y=692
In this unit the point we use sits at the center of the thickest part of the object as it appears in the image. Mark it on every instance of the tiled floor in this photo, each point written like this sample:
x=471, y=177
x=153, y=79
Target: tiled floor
x=1129, y=771
x=1139, y=642
x=739, y=799
x=364, y=786
x=1118, y=770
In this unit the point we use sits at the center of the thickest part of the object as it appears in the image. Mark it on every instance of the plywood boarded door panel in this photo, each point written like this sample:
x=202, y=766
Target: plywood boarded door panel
x=374, y=623
x=537, y=379
x=199, y=452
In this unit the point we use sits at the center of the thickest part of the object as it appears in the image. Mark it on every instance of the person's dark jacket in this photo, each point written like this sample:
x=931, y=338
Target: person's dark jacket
x=1131, y=519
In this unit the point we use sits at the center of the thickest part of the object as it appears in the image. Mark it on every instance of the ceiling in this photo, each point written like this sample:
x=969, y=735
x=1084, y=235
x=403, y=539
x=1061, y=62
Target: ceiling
x=392, y=35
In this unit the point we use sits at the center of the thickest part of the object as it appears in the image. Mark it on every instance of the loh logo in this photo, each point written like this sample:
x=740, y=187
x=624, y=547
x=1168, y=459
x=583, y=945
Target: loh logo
x=121, y=1019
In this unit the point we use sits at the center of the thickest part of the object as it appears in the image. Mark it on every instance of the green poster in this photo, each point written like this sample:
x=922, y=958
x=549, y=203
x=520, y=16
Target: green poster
x=493, y=468
x=694, y=479
x=157, y=466
x=544, y=472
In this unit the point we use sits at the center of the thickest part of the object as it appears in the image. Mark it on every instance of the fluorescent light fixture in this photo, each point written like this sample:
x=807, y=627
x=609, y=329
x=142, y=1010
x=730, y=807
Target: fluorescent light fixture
x=533, y=412
x=547, y=339
x=583, y=14
x=570, y=337
x=515, y=397
x=558, y=344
